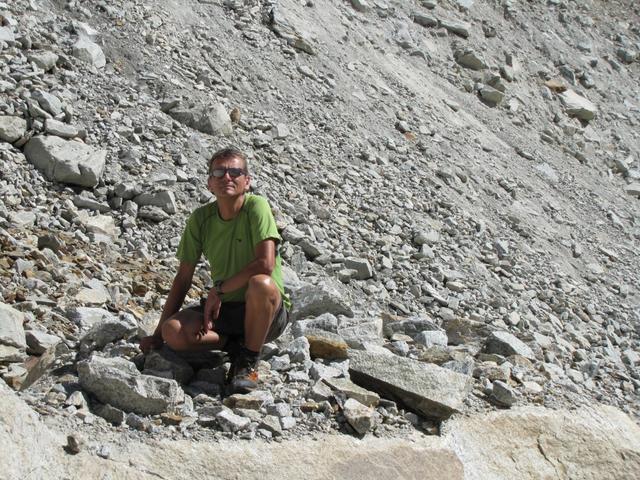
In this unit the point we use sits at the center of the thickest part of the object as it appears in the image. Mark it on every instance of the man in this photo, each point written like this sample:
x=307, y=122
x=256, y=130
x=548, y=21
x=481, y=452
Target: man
x=247, y=305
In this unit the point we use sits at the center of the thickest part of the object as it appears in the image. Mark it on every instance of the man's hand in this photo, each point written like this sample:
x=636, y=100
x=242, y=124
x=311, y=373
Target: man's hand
x=152, y=342
x=211, y=311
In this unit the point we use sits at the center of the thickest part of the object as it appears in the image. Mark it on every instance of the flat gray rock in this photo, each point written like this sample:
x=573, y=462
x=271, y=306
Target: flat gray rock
x=504, y=343
x=44, y=60
x=432, y=391
x=38, y=341
x=578, y=106
x=66, y=161
x=116, y=381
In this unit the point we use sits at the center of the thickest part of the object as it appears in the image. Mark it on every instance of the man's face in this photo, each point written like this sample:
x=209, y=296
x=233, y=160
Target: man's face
x=227, y=185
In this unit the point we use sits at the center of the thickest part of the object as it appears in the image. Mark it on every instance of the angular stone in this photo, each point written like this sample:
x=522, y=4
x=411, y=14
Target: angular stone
x=107, y=331
x=60, y=129
x=38, y=342
x=15, y=375
x=360, y=5
x=314, y=300
x=91, y=296
x=87, y=317
x=459, y=28
x=89, y=52
x=213, y=119
x=504, y=343
x=359, y=416
x=298, y=350
x=492, y=96
x=469, y=59
x=578, y=106
x=424, y=20
x=6, y=35
x=325, y=322
x=44, y=363
x=12, y=128
x=633, y=189
x=361, y=266
x=154, y=214
x=271, y=423
x=326, y=345
x=463, y=330
x=11, y=327
x=50, y=103
x=432, y=391
x=430, y=338
x=66, y=161
x=44, y=60
x=410, y=326
x=116, y=381
x=351, y=390
x=99, y=224
x=252, y=401
x=230, y=422
x=164, y=199
x=111, y=414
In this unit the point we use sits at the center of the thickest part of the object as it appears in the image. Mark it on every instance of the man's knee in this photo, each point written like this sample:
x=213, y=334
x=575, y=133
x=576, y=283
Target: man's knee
x=262, y=286
x=172, y=333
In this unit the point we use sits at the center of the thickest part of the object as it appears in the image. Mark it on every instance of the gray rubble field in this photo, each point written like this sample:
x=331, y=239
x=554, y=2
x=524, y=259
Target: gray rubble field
x=457, y=187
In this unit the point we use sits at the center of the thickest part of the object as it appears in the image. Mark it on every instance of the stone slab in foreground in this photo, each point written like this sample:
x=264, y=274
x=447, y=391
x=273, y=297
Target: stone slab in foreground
x=535, y=443
x=527, y=443
x=433, y=391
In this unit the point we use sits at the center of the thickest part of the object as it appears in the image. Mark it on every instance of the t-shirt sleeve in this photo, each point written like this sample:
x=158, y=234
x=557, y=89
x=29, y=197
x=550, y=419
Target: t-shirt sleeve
x=263, y=225
x=190, y=247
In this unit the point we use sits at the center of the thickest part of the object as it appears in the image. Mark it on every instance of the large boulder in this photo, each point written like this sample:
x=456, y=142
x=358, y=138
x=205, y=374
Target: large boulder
x=66, y=161
x=432, y=391
x=116, y=381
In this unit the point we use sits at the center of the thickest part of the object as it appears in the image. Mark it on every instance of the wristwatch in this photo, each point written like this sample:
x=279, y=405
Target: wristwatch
x=218, y=286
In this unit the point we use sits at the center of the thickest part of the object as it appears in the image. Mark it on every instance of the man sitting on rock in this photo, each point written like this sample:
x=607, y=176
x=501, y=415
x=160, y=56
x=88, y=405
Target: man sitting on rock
x=247, y=305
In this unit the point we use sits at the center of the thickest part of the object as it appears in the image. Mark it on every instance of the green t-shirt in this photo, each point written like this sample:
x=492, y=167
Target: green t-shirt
x=229, y=245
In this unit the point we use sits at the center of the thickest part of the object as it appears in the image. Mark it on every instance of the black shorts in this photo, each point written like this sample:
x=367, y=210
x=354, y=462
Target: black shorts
x=230, y=321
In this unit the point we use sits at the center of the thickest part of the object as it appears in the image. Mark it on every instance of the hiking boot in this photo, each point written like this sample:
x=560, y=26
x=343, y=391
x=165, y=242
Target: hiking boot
x=243, y=375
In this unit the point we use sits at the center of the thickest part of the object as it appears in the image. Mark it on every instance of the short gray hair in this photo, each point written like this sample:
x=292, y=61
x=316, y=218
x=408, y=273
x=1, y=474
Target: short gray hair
x=227, y=153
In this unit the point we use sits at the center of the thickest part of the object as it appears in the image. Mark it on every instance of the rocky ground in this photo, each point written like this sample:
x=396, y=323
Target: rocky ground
x=456, y=183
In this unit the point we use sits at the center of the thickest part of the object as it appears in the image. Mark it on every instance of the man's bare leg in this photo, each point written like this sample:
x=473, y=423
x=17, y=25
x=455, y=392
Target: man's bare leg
x=262, y=300
x=183, y=332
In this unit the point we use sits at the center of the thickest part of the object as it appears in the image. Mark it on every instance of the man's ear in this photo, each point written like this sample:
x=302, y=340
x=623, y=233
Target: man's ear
x=247, y=184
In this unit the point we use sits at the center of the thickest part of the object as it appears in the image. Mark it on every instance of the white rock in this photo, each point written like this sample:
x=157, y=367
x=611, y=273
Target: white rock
x=89, y=52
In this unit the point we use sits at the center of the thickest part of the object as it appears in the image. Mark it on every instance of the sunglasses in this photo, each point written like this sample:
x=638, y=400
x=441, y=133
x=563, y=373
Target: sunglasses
x=233, y=172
